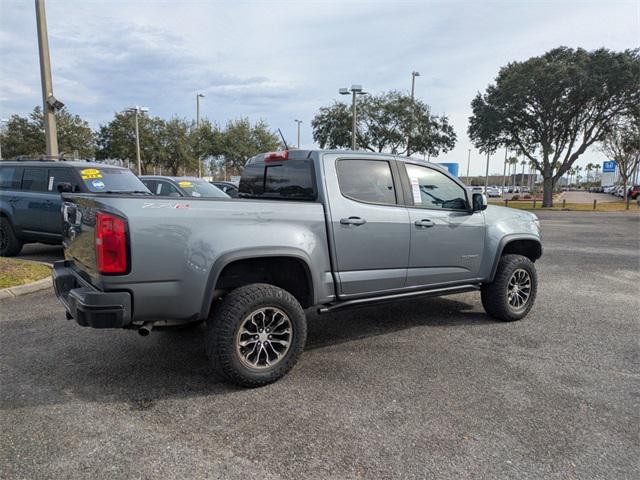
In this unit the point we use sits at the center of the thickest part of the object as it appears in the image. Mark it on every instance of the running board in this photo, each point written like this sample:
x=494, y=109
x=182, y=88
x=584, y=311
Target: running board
x=362, y=302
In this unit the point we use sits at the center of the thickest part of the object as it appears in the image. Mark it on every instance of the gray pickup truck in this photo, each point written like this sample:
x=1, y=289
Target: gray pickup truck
x=323, y=229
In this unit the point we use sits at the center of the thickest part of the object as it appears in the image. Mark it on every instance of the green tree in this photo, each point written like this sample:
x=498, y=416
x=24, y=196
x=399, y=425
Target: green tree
x=241, y=140
x=385, y=123
x=24, y=136
x=555, y=106
x=176, y=152
x=116, y=140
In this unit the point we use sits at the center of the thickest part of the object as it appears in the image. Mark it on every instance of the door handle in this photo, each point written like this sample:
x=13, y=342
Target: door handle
x=353, y=221
x=425, y=222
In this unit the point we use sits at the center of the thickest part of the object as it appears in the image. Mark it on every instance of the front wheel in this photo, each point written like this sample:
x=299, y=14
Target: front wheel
x=513, y=291
x=256, y=335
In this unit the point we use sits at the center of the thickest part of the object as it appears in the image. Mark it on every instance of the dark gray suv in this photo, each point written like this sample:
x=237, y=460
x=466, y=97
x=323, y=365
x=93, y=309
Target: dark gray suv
x=30, y=199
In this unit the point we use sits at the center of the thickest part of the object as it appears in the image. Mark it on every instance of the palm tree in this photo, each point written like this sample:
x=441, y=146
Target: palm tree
x=513, y=164
x=589, y=168
x=578, y=169
x=597, y=167
x=523, y=163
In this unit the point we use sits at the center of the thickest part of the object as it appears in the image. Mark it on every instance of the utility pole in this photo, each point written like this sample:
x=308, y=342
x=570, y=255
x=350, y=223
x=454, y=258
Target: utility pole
x=413, y=91
x=137, y=110
x=49, y=103
x=198, y=97
x=486, y=178
x=354, y=90
x=504, y=171
x=298, y=122
x=468, y=164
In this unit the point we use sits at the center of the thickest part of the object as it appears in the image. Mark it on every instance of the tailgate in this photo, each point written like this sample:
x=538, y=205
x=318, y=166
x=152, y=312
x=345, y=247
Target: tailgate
x=78, y=229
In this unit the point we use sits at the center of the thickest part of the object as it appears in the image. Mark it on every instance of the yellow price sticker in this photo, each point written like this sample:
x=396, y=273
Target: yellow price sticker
x=185, y=184
x=90, y=173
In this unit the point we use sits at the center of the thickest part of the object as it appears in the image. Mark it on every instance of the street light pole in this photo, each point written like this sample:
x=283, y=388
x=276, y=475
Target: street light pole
x=298, y=122
x=468, y=164
x=138, y=144
x=354, y=90
x=137, y=110
x=486, y=178
x=48, y=100
x=504, y=171
x=413, y=91
x=198, y=97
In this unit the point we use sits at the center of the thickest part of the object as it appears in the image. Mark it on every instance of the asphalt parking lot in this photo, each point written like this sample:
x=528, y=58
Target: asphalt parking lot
x=421, y=389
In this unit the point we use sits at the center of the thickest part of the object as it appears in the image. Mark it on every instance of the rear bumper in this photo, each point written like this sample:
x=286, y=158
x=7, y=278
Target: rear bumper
x=89, y=306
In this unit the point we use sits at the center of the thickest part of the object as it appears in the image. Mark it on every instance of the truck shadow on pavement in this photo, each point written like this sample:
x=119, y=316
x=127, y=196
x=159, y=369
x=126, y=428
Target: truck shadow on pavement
x=118, y=366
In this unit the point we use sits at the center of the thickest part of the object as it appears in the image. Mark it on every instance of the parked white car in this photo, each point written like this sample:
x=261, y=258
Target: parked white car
x=493, y=192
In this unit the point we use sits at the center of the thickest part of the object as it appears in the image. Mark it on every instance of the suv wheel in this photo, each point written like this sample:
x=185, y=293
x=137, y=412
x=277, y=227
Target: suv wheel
x=513, y=291
x=10, y=245
x=256, y=335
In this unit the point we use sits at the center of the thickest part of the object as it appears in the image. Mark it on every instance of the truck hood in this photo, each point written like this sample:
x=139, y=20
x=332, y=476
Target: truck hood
x=511, y=221
x=497, y=212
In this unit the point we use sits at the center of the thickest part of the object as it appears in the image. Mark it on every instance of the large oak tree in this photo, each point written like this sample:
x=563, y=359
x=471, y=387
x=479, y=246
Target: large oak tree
x=553, y=107
x=386, y=123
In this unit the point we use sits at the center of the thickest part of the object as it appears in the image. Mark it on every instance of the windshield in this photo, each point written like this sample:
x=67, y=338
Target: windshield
x=201, y=188
x=110, y=179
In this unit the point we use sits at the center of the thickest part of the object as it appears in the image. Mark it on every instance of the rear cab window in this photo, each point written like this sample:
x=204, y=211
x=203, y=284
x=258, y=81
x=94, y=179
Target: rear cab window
x=110, y=179
x=290, y=179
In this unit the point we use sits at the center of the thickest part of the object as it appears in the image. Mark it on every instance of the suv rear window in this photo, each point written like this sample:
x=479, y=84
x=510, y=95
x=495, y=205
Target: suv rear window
x=34, y=179
x=103, y=179
x=288, y=180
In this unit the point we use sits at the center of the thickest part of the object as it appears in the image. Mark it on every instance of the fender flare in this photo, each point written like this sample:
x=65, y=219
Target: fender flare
x=252, y=253
x=504, y=241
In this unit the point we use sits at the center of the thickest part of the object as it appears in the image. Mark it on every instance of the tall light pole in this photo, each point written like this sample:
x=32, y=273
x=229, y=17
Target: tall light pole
x=49, y=102
x=137, y=110
x=198, y=97
x=486, y=177
x=413, y=103
x=298, y=122
x=504, y=170
x=354, y=91
x=468, y=164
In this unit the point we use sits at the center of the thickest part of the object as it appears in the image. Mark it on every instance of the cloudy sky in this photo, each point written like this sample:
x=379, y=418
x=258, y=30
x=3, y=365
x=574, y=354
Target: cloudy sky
x=282, y=60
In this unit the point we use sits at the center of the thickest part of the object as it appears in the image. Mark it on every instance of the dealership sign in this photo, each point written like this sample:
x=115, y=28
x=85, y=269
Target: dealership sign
x=609, y=166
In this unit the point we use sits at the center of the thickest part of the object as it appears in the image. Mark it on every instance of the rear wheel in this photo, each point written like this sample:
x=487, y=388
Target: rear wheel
x=10, y=245
x=256, y=335
x=513, y=291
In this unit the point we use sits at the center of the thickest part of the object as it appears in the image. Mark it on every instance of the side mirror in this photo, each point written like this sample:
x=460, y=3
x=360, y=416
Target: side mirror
x=65, y=187
x=479, y=202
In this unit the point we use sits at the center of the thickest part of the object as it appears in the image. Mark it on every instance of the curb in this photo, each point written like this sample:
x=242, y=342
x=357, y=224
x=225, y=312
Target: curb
x=13, y=292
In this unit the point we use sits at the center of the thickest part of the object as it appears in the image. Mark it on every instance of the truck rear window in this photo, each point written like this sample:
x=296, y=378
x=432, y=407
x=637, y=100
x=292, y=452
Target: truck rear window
x=103, y=179
x=289, y=180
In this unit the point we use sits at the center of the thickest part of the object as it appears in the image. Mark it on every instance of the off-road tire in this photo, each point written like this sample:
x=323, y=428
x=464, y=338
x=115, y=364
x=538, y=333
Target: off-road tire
x=228, y=316
x=495, y=299
x=10, y=245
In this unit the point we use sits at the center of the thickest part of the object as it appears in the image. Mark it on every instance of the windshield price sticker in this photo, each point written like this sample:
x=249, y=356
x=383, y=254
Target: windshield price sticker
x=415, y=189
x=90, y=174
x=185, y=184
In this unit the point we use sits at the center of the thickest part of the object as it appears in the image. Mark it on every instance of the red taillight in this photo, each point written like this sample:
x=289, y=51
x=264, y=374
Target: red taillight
x=276, y=156
x=111, y=244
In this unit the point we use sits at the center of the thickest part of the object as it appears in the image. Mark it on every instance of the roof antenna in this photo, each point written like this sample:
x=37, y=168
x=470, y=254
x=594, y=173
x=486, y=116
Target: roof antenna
x=286, y=147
